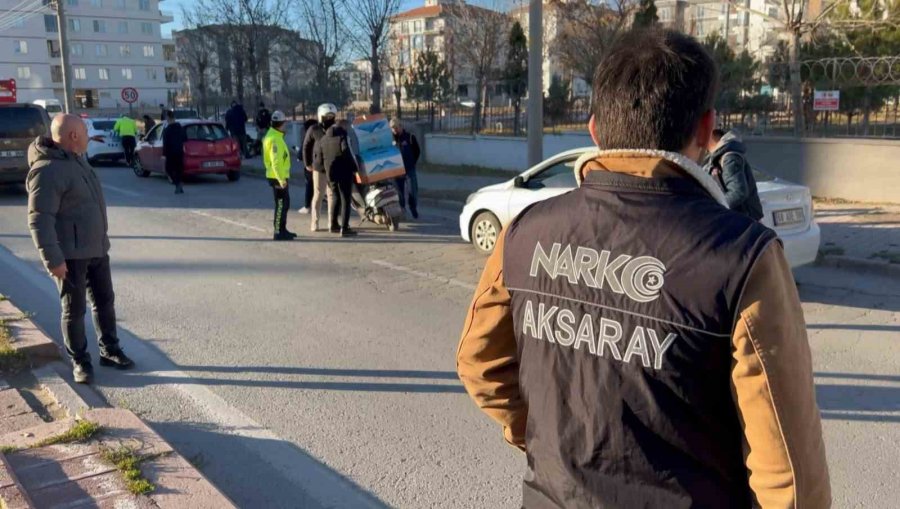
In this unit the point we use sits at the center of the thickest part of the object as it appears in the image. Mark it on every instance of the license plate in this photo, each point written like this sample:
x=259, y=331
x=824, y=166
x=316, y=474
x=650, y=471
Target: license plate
x=12, y=153
x=788, y=217
x=213, y=164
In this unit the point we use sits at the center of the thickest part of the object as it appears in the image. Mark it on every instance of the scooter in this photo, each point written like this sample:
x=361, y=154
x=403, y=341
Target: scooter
x=382, y=204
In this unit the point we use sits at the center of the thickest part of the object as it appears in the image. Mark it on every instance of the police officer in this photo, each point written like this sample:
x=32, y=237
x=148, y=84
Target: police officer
x=277, y=160
x=126, y=128
x=641, y=343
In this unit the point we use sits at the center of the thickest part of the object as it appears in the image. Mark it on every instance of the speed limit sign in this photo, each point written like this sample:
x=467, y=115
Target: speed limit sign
x=129, y=95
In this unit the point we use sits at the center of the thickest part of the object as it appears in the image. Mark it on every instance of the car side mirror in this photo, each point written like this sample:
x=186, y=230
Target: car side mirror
x=519, y=181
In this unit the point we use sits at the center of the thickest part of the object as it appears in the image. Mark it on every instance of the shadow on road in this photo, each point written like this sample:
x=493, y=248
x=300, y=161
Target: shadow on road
x=295, y=370
x=859, y=402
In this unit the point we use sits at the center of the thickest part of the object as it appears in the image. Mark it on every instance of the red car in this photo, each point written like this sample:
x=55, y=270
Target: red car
x=208, y=150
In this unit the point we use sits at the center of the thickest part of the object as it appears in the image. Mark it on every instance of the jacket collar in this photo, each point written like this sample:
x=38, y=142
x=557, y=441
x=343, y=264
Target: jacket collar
x=648, y=164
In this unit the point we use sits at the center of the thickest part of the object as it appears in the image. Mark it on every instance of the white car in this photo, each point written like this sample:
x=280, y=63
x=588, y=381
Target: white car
x=787, y=207
x=104, y=145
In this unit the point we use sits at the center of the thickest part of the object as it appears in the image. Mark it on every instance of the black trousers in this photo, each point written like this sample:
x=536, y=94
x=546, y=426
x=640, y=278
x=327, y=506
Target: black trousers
x=241, y=140
x=282, y=205
x=341, y=189
x=307, y=199
x=175, y=168
x=401, y=183
x=91, y=277
x=128, y=145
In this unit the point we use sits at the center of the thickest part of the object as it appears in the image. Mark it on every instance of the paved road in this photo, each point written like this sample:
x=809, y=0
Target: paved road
x=320, y=373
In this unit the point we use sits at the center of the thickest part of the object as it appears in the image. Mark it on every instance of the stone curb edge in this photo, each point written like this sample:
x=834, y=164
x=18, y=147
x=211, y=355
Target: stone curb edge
x=859, y=265
x=79, y=399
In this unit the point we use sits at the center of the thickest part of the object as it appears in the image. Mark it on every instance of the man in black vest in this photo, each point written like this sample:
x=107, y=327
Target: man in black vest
x=641, y=343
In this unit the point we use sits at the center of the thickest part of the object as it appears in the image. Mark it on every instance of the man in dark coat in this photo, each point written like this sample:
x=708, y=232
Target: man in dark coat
x=728, y=163
x=173, y=150
x=236, y=123
x=408, y=146
x=334, y=157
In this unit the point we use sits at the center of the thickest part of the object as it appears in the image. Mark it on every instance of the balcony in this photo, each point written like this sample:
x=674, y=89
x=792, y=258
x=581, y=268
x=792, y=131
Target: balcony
x=166, y=16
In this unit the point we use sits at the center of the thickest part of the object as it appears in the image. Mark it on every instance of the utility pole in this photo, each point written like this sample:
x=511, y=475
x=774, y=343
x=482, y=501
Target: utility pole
x=68, y=94
x=535, y=82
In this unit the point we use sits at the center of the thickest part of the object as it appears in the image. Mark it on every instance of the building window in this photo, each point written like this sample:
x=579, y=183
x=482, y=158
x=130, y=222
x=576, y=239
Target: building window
x=417, y=26
x=104, y=74
x=404, y=27
x=126, y=73
x=144, y=5
x=20, y=47
x=97, y=3
x=169, y=52
x=151, y=74
x=149, y=51
x=125, y=50
x=171, y=75
x=75, y=24
x=147, y=28
x=53, y=48
x=123, y=27
x=50, y=24
x=418, y=43
x=99, y=26
x=80, y=73
x=101, y=50
x=24, y=73
x=462, y=90
x=18, y=22
x=56, y=73
x=76, y=49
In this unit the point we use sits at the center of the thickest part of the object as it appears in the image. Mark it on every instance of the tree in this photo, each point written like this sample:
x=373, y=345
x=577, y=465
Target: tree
x=429, y=81
x=396, y=66
x=370, y=19
x=515, y=75
x=587, y=29
x=558, y=100
x=646, y=14
x=479, y=36
x=738, y=75
x=195, y=50
x=319, y=22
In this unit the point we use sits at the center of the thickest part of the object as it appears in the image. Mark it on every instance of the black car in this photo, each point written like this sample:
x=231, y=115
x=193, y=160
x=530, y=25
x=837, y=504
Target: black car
x=20, y=124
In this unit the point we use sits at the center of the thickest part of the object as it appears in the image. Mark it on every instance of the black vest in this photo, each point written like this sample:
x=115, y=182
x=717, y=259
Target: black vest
x=624, y=299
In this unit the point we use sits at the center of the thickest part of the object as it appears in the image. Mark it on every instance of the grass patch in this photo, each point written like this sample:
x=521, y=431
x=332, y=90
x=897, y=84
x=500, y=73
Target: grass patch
x=831, y=251
x=128, y=463
x=11, y=360
x=79, y=432
x=890, y=256
x=8, y=449
x=466, y=171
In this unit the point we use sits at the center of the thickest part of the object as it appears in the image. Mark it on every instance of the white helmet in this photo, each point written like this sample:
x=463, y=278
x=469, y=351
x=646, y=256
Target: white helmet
x=325, y=110
x=278, y=116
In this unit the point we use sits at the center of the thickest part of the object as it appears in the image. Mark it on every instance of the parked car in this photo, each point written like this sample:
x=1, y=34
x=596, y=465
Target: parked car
x=105, y=145
x=53, y=106
x=186, y=113
x=20, y=124
x=787, y=207
x=208, y=150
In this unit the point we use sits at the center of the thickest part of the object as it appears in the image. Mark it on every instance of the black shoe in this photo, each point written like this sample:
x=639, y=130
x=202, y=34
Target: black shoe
x=334, y=229
x=290, y=234
x=283, y=236
x=116, y=359
x=179, y=190
x=83, y=373
x=415, y=213
x=348, y=232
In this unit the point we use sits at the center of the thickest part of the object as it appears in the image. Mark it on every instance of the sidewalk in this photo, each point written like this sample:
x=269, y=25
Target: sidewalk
x=61, y=447
x=860, y=236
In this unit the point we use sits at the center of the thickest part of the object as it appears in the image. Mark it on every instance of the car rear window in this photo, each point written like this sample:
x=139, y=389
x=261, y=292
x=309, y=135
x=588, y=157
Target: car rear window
x=54, y=108
x=104, y=125
x=24, y=122
x=205, y=132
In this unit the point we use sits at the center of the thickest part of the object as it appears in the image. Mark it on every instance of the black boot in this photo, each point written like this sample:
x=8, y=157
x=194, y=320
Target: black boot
x=83, y=373
x=348, y=232
x=283, y=236
x=116, y=359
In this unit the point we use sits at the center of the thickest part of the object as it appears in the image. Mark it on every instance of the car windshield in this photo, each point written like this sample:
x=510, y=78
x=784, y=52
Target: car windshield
x=104, y=125
x=205, y=132
x=54, y=108
x=24, y=122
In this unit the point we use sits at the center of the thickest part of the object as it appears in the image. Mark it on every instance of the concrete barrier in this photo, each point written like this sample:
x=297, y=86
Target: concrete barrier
x=851, y=169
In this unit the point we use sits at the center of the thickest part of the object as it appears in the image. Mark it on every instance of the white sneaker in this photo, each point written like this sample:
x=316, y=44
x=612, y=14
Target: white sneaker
x=304, y=210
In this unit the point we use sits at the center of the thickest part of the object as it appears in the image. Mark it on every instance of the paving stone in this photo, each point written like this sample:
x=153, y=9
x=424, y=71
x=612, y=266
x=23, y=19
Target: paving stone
x=7, y=310
x=13, y=498
x=121, y=427
x=30, y=458
x=182, y=485
x=29, y=436
x=49, y=473
x=82, y=492
x=18, y=422
x=31, y=340
x=12, y=403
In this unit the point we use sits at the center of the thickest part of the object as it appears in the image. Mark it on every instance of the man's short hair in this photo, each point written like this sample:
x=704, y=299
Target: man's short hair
x=651, y=90
x=170, y=114
x=717, y=134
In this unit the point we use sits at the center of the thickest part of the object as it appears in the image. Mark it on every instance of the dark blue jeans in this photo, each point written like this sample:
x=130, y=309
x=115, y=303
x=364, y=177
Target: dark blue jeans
x=413, y=191
x=88, y=278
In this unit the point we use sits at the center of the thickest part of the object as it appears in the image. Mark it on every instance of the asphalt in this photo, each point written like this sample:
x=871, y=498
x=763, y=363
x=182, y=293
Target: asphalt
x=320, y=373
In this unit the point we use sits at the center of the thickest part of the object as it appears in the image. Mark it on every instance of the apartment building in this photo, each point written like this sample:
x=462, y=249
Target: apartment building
x=113, y=44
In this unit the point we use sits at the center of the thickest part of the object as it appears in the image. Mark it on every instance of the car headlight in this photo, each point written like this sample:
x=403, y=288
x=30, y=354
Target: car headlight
x=470, y=198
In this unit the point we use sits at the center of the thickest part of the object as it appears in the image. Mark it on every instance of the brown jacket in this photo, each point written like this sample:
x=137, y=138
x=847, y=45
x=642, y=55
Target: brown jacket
x=771, y=375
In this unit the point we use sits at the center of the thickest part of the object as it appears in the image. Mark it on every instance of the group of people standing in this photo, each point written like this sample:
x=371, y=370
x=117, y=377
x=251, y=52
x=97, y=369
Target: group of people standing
x=330, y=155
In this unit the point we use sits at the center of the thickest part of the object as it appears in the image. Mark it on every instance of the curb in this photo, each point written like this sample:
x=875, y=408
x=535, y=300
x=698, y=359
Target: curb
x=74, y=399
x=27, y=337
x=859, y=265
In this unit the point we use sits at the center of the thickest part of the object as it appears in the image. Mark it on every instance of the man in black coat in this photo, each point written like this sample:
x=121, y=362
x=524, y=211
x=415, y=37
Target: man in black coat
x=236, y=123
x=334, y=157
x=728, y=163
x=173, y=150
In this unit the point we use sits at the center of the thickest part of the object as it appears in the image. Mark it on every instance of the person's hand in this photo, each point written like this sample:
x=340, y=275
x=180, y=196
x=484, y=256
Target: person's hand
x=283, y=184
x=60, y=271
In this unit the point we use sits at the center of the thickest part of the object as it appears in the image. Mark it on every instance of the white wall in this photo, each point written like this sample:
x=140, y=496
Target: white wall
x=501, y=152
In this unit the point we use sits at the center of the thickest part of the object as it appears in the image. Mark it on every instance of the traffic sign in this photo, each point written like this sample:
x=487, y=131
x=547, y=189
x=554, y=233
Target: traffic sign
x=7, y=91
x=827, y=100
x=129, y=95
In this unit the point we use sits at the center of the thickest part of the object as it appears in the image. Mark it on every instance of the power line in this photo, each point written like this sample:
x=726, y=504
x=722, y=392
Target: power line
x=15, y=17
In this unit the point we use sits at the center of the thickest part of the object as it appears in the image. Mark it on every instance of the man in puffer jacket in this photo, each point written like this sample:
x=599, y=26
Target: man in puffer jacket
x=728, y=163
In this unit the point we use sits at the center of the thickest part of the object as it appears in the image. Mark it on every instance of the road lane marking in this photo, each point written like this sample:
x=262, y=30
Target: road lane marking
x=229, y=221
x=126, y=192
x=424, y=275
